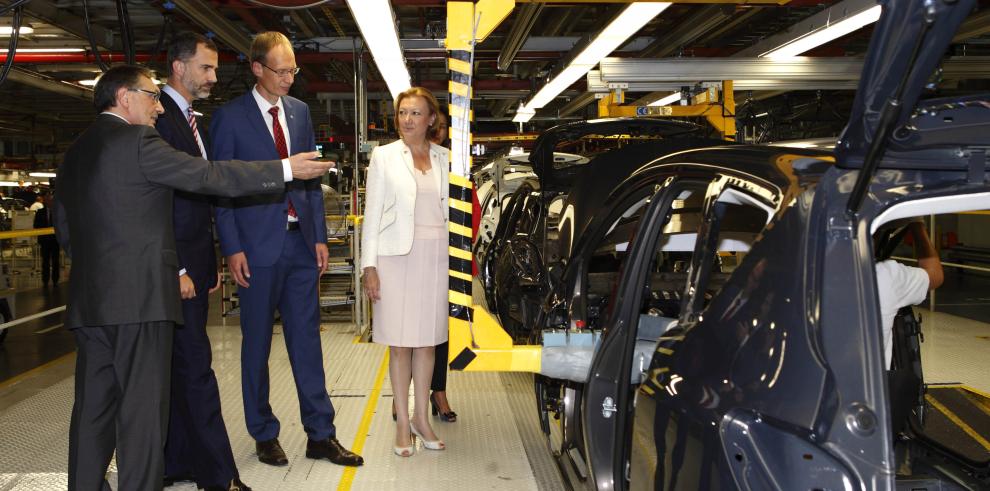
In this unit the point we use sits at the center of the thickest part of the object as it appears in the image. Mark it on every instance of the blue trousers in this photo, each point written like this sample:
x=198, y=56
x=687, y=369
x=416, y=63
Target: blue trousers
x=291, y=286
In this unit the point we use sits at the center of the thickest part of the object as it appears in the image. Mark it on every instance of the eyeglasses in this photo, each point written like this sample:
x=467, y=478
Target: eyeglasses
x=155, y=95
x=285, y=72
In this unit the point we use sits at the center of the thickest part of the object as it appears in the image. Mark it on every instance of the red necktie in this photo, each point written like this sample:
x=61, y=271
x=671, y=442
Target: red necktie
x=283, y=150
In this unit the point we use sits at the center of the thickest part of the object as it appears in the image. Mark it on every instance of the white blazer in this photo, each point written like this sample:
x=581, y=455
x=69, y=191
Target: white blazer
x=390, y=199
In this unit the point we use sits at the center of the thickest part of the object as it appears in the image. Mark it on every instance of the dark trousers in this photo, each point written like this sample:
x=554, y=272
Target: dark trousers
x=439, y=383
x=121, y=401
x=49, y=260
x=197, y=444
x=291, y=286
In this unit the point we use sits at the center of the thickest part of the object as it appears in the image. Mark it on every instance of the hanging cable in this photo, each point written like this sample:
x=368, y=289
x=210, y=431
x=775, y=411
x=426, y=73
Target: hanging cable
x=92, y=42
x=8, y=64
x=160, y=45
x=126, y=32
x=13, y=5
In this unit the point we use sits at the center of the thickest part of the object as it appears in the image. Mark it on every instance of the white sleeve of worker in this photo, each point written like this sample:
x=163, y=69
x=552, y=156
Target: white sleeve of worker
x=898, y=286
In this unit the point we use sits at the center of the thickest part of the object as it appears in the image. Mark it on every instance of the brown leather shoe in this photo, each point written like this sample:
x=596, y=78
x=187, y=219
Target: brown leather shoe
x=235, y=485
x=333, y=451
x=271, y=453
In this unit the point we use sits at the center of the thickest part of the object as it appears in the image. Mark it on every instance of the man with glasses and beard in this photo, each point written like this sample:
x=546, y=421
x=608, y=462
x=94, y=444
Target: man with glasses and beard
x=197, y=448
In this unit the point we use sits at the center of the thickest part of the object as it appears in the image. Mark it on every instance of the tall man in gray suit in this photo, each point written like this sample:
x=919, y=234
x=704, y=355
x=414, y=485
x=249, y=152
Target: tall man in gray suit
x=114, y=219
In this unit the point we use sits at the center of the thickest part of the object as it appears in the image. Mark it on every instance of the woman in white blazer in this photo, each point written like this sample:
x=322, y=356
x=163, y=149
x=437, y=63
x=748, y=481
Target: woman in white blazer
x=404, y=259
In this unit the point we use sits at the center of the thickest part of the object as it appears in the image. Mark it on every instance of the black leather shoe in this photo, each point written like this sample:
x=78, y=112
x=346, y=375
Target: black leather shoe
x=333, y=451
x=170, y=480
x=271, y=453
x=235, y=485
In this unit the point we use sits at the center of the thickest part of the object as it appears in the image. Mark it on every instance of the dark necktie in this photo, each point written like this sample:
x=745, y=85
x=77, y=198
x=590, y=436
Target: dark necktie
x=283, y=149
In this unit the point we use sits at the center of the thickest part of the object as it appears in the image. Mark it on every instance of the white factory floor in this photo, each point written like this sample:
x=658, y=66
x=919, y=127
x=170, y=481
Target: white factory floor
x=495, y=444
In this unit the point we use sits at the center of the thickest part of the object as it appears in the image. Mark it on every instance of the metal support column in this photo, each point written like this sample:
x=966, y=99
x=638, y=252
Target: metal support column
x=477, y=342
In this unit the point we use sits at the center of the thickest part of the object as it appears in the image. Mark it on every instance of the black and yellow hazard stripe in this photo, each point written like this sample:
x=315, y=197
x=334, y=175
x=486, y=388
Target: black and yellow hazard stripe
x=460, y=187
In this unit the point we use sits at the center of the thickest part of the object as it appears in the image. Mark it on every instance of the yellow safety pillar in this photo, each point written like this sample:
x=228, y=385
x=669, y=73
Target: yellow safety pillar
x=477, y=341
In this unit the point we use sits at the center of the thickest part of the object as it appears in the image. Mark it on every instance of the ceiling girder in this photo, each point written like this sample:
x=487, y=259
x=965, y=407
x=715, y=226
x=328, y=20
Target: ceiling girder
x=752, y=73
x=831, y=15
x=204, y=14
x=704, y=20
x=48, y=12
x=43, y=82
x=524, y=22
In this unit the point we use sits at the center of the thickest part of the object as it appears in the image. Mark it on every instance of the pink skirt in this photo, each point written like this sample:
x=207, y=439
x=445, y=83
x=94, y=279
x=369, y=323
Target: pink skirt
x=412, y=311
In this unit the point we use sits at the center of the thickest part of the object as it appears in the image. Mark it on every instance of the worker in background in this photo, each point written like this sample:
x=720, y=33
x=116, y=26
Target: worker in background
x=39, y=203
x=124, y=283
x=276, y=250
x=900, y=285
x=197, y=448
x=47, y=244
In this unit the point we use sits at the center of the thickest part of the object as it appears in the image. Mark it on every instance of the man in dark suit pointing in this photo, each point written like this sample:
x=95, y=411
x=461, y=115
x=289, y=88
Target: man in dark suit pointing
x=197, y=447
x=114, y=219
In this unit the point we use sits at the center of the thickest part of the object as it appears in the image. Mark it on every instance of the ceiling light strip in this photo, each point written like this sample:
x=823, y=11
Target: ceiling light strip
x=383, y=41
x=617, y=32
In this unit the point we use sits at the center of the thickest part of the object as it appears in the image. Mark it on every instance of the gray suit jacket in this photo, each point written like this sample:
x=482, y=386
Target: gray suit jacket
x=114, y=218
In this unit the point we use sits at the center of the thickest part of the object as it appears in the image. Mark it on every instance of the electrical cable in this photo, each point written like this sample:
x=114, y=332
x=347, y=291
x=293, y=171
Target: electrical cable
x=8, y=64
x=160, y=45
x=13, y=5
x=92, y=42
x=126, y=31
x=290, y=7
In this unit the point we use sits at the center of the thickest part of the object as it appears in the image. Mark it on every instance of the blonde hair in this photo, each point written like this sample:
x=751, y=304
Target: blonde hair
x=431, y=102
x=264, y=42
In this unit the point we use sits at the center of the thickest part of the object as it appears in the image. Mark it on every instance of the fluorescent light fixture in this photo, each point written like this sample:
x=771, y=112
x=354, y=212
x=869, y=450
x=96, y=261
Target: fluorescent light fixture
x=88, y=83
x=826, y=34
x=627, y=23
x=8, y=30
x=523, y=117
x=9, y=183
x=523, y=114
x=383, y=41
x=666, y=101
x=41, y=174
x=46, y=50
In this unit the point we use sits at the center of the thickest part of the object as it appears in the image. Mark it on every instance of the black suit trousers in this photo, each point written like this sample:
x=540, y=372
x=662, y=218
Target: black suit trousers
x=121, y=401
x=49, y=259
x=198, y=444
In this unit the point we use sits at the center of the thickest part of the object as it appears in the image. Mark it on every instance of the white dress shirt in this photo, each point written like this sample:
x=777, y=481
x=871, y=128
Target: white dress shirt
x=264, y=106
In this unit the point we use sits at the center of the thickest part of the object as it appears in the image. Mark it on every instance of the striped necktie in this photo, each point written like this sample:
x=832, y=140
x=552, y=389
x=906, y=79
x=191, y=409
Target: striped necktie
x=192, y=125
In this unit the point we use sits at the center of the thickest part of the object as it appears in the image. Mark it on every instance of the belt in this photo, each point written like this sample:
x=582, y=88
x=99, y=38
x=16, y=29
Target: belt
x=290, y=226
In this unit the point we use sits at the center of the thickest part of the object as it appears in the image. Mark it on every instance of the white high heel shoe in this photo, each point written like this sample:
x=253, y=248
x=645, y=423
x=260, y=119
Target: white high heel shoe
x=428, y=444
x=406, y=451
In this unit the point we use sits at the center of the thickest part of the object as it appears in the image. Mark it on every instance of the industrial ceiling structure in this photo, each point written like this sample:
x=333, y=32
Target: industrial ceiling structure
x=45, y=103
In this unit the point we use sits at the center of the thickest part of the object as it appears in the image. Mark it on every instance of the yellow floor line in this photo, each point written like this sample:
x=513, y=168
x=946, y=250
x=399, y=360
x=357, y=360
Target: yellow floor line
x=362, y=433
x=34, y=371
x=958, y=421
x=976, y=391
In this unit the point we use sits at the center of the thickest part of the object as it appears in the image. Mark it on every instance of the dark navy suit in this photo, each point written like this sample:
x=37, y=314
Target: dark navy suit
x=197, y=443
x=284, y=274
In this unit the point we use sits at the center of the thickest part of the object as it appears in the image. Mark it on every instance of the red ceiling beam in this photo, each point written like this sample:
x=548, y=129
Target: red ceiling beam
x=439, y=85
x=305, y=57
